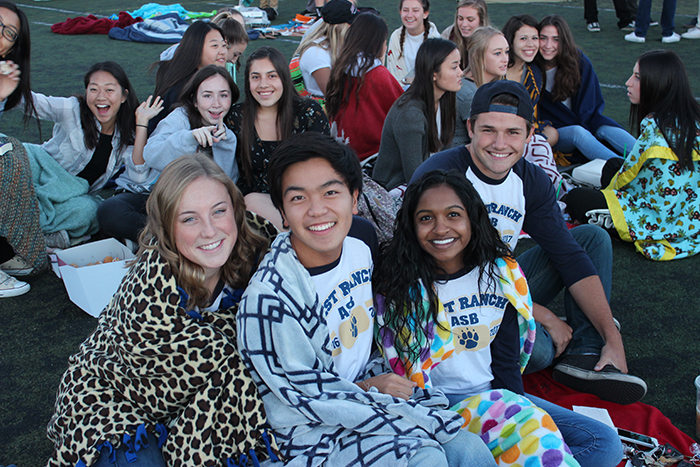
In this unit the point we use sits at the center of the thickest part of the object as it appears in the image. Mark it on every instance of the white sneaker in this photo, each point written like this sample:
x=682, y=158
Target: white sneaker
x=693, y=33
x=675, y=37
x=11, y=287
x=632, y=37
x=16, y=266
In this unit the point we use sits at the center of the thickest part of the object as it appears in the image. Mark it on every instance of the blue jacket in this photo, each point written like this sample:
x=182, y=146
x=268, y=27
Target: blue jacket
x=586, y=105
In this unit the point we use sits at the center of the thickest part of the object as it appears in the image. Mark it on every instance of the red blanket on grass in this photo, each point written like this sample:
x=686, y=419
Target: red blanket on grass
x=638, y=417
x=91, y=24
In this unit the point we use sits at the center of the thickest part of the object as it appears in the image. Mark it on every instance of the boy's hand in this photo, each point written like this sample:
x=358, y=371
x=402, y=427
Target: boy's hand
x=392, y=384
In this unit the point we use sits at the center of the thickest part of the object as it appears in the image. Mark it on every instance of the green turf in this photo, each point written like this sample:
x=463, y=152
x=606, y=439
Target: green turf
x=656, y=303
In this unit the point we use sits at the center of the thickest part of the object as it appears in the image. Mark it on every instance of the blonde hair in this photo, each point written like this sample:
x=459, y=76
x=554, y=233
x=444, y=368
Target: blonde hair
x=162, y=208
x=331, y=38
x=478, y=44
x=456, y=34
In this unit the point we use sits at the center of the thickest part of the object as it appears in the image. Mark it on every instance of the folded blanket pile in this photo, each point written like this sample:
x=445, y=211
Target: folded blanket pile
x=165, y=29
x=151, y=10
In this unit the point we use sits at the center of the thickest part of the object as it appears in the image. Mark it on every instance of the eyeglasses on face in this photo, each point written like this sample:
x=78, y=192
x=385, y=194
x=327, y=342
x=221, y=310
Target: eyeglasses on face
x=8, y=32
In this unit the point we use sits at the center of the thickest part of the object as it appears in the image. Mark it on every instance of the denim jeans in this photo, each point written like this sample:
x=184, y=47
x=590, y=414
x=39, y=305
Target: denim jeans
x=464, y=450
x=577, y=137
x=668, y=11
x=592, y=443
x=545, y=283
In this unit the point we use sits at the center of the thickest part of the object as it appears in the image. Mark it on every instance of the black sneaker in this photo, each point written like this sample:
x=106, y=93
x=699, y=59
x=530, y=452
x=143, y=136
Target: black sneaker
x=610, y=384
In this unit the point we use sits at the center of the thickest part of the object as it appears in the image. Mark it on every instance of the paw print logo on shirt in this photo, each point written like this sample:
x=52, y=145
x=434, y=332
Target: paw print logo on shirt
x=352, y=327
x=469, y=339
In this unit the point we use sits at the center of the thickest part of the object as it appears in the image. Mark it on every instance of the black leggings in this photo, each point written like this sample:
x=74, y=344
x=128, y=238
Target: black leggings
x=123, y=215
x=581, y=200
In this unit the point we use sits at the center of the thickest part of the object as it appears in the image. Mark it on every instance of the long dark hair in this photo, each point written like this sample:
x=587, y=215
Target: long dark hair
x=21, y=53
x=403, y=265
x=431, y=55
x=665, y=93
x=186, y=59
x=285, y=106
x=426, y=25
x=567, y=80
x=364, y=43
x=126, y=120
x=511, y=27
x=188, y=96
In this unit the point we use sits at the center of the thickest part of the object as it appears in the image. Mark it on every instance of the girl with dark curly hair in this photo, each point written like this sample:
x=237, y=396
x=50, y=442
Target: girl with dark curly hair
x=454, y=313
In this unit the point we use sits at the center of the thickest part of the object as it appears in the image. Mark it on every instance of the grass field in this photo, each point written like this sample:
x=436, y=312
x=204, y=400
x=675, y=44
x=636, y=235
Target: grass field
x=657, y=303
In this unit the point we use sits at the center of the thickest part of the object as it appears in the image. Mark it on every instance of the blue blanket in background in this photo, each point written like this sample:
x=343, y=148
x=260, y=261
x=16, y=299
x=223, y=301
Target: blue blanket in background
x=165, y=29
x=151, y=10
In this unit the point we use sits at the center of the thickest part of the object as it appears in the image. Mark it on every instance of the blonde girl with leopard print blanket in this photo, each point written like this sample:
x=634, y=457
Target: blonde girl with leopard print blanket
x=160, y=381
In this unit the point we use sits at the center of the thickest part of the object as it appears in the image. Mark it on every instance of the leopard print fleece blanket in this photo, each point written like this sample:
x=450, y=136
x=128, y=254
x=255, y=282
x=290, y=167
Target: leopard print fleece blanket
x=150, y=364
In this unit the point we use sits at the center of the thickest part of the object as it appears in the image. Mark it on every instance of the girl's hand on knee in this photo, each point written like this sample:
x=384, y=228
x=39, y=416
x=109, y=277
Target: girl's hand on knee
x=390, y=383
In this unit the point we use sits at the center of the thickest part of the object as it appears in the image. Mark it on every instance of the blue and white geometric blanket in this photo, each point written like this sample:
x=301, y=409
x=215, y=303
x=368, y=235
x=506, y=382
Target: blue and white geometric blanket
x=317, y=416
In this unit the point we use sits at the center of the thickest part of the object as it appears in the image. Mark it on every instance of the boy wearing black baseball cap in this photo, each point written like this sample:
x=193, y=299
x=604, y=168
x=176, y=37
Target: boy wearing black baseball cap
x=519, y=196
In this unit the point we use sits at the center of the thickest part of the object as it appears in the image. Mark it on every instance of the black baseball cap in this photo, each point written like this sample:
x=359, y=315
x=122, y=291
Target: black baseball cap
x=481, y=103
x=338, y=12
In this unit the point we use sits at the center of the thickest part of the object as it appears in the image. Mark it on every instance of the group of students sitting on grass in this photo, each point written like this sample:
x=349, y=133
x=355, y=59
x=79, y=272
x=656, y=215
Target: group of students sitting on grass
x=261, y=323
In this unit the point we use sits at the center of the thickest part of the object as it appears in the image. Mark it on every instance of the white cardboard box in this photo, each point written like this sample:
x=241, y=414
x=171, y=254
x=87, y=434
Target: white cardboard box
x=92, y=287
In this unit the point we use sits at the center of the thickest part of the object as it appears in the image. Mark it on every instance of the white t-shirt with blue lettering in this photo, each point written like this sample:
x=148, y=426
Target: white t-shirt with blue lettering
x=475, y=315
x=344, y=289
x=506, y=209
